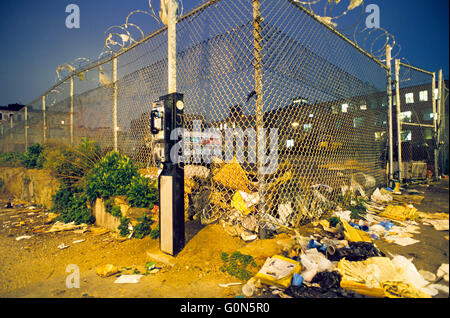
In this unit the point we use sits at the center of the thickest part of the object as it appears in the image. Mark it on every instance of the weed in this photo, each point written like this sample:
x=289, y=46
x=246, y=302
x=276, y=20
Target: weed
x=236, y=265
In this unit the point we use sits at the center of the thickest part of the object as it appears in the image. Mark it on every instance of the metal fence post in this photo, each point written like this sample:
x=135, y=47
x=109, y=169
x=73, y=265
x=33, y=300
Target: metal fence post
x=44, y=119
x=71, y=110
x=115, y=102
x=259, y=101
x=399, y=122
x=436, y=151
x=389, y=93
x=172, y=47
x=26, y=128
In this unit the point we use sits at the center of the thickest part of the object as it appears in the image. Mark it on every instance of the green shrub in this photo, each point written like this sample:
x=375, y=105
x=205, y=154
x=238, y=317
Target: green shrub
x=11, y=159
x=142, y=193
x=123, y=226
x=1, y=184
x=115, y=211
x=143, y=228
x=154, y=234
x=72, y=207
x=34, y=157
x=110, y=176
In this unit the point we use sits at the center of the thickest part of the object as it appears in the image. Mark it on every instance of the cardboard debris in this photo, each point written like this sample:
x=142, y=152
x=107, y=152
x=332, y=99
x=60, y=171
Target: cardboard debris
x=60, y=226
x=244, y=202
x=399, y=212
x=278, y=271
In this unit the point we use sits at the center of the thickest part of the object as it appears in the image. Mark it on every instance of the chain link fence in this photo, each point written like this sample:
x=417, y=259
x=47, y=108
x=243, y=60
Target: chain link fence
x=282, y=115
x=415, y=100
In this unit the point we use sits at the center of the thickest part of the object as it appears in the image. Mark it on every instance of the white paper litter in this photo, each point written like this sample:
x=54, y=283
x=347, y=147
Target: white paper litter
x=23, y=237
x=128, y=279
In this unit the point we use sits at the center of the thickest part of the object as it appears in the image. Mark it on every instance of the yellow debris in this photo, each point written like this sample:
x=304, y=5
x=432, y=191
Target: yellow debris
x=107, y=270
x=232, y=176
x=399, y=212
x=355, y=235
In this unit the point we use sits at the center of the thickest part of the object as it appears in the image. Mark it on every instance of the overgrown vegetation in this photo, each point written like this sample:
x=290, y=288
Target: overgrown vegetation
x=142, y=193
x=236, y=265
x=34, y=157
x=123, y=226
x=110, y=176
x=11, y=159
x=143, y=228
x=72, y=206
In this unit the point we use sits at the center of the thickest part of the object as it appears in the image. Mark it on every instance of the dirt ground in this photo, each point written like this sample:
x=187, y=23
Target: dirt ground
x=36, y=267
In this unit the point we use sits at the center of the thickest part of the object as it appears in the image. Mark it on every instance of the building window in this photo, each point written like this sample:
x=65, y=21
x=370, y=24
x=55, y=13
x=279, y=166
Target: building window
x=423, y=96
x=394, y=100
x=363, y=105
x=436, y=93
x=405, y=117
x=358, y=122
x=379, y=135
x=344, y=108
x=428, y=116
x=409, y=98
x=406, y=135
x=290, y=143
x=428, y=133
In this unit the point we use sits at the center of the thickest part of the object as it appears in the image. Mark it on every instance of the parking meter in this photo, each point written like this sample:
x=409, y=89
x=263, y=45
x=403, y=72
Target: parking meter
x=167, y=115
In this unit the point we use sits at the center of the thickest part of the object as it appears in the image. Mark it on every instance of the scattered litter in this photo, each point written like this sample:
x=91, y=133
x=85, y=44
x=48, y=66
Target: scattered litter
x=128, y=279
x=314, y=262
x=107, y=270
x=439, y=225
x=382, y=277
x=379, y=197
x=60, y=226
x=278, y=271
x=399, y=212
x=23, y=237
x=443, y=272
x=357, y=251
x=247, y=237
x=429, y=276
x=355, y=235
x=78, y=241
x=62, y=246
x=229, y=284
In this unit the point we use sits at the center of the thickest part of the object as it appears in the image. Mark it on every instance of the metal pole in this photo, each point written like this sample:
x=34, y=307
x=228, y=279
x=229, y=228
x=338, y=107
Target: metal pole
x=115, y=102
x=26, y=128
x=436, y=152
x=389, y=93
x=45, y=122
x=258, y=91
x=399, y=123
x=172, y=46
x=71, y=110
x=441, y=119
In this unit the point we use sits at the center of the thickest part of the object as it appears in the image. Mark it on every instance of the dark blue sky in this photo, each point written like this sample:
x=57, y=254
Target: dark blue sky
x=34, y=39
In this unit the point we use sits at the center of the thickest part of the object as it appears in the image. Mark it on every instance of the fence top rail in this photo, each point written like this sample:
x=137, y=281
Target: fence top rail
x=188, y=15
x=416, y=68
